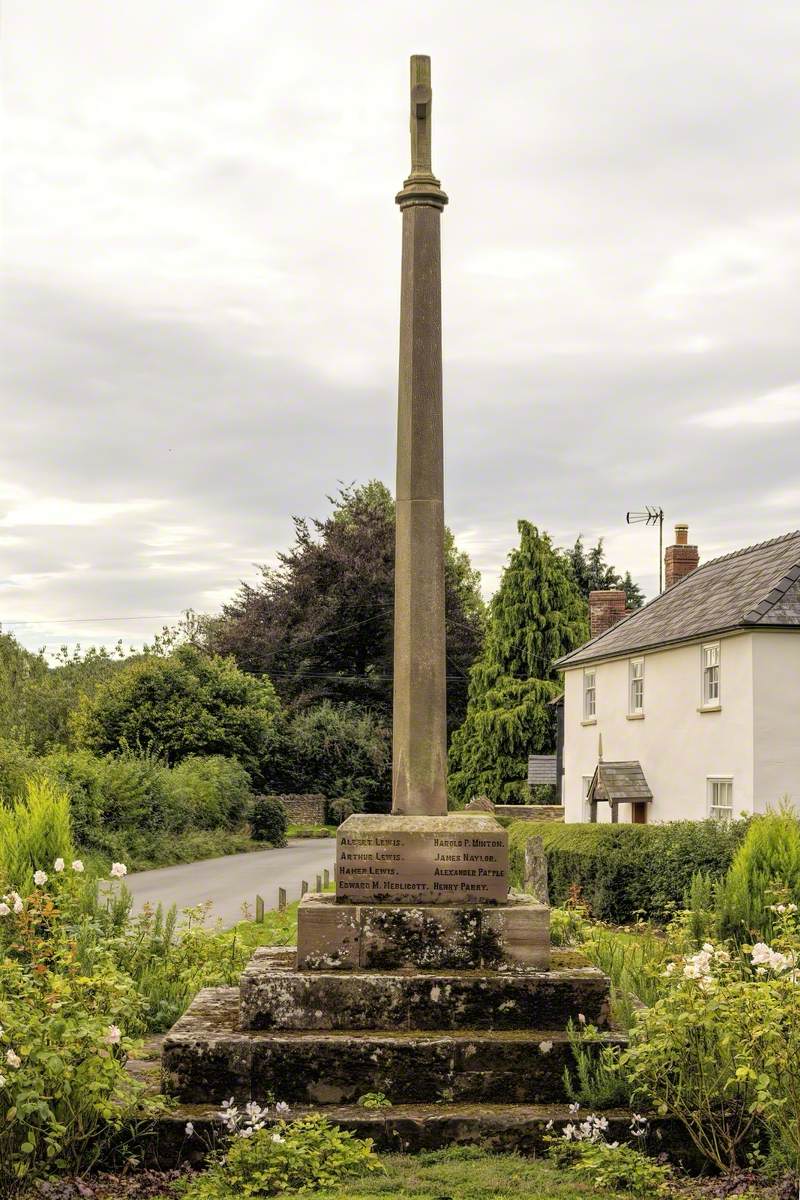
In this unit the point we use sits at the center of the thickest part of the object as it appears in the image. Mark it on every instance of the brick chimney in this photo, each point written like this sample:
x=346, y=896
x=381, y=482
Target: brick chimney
x=681, y=558
x=605, y=609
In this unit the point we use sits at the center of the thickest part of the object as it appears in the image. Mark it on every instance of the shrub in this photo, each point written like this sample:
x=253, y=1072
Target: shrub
x=187, y=703
x=720, y=1050
x=268, y=820
x=16, y=764
x=309, y=1153
x=82, y=776
x=339, y=751
x=339, y=810
x=34, y=832
x=64, y=1091
x=215, y=791
x=623, y=871
x=769, y=856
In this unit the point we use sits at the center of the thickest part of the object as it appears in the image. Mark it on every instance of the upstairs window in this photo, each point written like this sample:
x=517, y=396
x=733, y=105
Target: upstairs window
x=720, y=799
x=636, y=687
x=589, y=695
x=711, y=675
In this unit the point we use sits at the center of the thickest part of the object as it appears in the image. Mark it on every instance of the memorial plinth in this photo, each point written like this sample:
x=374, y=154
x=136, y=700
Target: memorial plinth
x=453, y=859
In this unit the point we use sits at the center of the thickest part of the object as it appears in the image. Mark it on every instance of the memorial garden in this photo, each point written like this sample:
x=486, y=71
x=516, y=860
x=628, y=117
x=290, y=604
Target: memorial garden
x=476, y=1007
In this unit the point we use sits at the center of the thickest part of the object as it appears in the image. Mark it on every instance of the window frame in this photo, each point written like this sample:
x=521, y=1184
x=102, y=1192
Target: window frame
x=712, y=783
x=707, y=700
x=587, y=690
x=632, y=663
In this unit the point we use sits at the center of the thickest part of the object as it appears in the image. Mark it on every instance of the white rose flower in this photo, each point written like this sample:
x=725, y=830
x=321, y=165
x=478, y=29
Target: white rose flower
x=118, y=870
x=189, y=1129
x=113, y=1035
x=40, y=878
x=276, y=1137
x=77, y=866
x=58, y=866
x=4, y=909
x=545, y=1047
x=18, y=905
x=13, y=1059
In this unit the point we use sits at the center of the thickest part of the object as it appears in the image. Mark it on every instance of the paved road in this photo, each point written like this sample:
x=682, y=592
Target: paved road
x=229, y=882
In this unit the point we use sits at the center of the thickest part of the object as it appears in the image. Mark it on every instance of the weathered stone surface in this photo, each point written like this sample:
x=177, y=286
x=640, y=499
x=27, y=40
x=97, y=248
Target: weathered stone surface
x=342, y=936
x=536, y=869
x=419, y=710
x=208, y=1058
x=520, y=932
x=480, y=804
x=530, y=812
x=452, y=859
x=328, y=934
x=277, y=997
x=414, y=1127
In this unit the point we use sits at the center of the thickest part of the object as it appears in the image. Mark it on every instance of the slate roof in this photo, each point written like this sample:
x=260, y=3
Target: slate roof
x=757, y=586
x=619, y=781
x=541, y=769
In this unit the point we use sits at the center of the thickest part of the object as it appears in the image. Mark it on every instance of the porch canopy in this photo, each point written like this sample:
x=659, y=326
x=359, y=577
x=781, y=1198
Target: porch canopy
x=617, y=783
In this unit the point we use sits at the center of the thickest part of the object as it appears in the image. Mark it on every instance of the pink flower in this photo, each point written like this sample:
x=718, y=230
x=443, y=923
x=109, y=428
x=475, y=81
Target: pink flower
x=118, y=870
x=113, y=1035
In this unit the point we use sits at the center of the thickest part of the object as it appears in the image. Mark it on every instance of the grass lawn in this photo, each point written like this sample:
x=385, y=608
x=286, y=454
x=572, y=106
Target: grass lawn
x=311, y=831
x=465, y=1174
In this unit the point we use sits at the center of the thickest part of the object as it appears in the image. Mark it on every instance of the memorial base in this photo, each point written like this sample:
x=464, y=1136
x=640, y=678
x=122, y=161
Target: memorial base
x=342, y=936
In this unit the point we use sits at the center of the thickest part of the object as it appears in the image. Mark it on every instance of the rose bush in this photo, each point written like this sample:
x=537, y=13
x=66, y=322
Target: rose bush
x=64, y=1091
x=721, y=1048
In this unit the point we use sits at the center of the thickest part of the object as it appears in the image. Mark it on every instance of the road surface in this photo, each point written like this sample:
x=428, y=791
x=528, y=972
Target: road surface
x=231, y=881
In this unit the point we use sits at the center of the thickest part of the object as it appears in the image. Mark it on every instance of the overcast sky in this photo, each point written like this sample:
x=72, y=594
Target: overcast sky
x=202, y=282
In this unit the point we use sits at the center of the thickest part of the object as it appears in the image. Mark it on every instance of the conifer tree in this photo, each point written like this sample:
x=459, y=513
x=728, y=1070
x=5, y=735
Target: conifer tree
x=536, y=615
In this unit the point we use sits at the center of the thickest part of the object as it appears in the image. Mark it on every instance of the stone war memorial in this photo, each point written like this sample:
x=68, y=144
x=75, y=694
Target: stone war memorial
x=423, y=977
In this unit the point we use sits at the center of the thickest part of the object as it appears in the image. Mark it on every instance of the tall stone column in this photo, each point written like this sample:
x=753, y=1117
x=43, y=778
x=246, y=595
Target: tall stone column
x=419, y=775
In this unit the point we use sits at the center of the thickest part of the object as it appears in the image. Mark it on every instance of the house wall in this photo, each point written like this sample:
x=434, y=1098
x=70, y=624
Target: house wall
x=776, y=680
x=678, y=746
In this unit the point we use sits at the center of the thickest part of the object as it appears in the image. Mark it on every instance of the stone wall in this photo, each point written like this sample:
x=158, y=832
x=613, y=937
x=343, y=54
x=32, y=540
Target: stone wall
x=304, y=810
x=530, y=812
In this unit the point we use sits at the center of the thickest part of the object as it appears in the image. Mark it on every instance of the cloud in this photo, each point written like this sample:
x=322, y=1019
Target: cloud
x=52, y=510
x=202, y=253
x=778, y=407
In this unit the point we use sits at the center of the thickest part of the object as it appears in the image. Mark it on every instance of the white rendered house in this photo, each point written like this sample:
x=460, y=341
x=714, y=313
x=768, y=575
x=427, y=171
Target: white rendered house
x=690, y=706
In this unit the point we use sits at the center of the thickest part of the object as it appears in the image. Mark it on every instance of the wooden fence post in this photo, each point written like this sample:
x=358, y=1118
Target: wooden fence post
x=319, y=883
x=326, y=877
x=259, y=910
x=281, y=899
x=303, y=887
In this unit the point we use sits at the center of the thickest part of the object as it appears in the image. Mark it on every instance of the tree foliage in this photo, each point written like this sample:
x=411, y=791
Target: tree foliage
x=592, y=573
x=536, y=615
x=36, y=699
x=321, y=623
x=187, y=703
x=339, y=750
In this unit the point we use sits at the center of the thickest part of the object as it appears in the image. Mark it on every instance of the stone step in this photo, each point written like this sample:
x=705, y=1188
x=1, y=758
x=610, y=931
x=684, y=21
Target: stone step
x=276, y=996
x=208, y=1058
x=409, y=1128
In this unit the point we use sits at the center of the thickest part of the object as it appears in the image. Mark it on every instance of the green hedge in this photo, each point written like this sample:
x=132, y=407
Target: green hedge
x=627, y=871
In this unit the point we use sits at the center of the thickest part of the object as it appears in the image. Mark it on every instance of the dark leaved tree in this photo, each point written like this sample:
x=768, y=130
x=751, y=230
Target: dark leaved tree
x=320, y=624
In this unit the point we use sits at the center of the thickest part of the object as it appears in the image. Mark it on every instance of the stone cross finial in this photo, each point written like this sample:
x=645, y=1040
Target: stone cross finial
x=421, y=101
